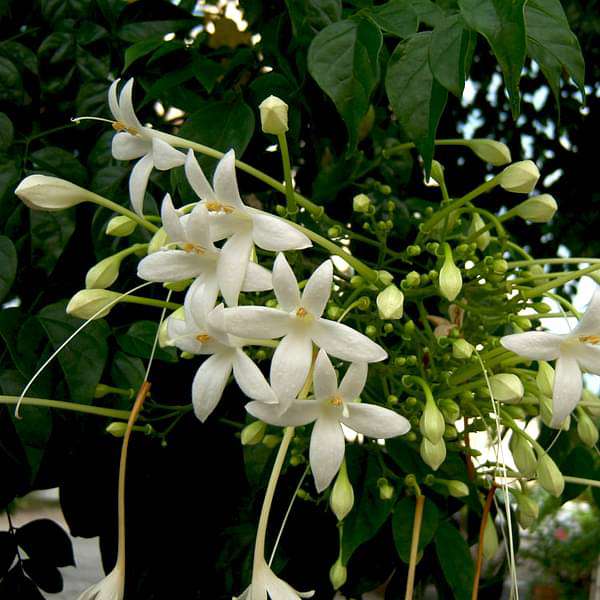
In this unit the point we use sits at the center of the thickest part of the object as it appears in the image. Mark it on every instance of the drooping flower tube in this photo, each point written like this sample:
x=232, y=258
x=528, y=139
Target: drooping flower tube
x=574, y=351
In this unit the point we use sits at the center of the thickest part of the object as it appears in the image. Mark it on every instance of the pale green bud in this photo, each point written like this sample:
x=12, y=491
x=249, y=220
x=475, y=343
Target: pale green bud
x=507, y=387
x=341, y=499
x=527, y=510
x=102, y=390
x=437, y=172
x=159, y=239
x=483, y=239
x=520, y=177
x=491, y=151
x=461, y=349
x=432, y=422
x=539, y=209
x=413, y=279
x=120, y=226
x=549, y=476
x=86, y=303
x=450, y=410
x=42, y=192
x=117, y=429
x=361, y=203
x=593, y=403
x=103, y=274
x=273, y=115
x=545, y=378
x=586, y=429
x=523, y=455
x=458, y=489
x=390, y=303
x=386, y=491
x=253, y=433
x=546, y=410
x=178, y=286
x=450, y=279
x=338, y=574
x=163, y=334
x=490, y=539
x=385, y=277
x=433, y=454
x=271, y=441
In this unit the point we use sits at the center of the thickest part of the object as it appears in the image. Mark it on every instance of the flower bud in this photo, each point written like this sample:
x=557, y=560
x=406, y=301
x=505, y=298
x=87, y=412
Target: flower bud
x=390, y=303
x=338, y=574
x=164, y=340
x=117, y=429
x=491, y=151
x=412, y=279
x=490, y=539
x=520, y=177
x=42, y=192
x=549, y=476
x=361, y=203
x=102, y=390
x=507, y=387
x=253, y=433
x=586, y=429
x=456, y=488
x=341, y=500
x=539, y=209
x=545, y=378
x=386, y=491
x=273, y=115
x=461, y=349
x=86, y=303
x=271, y=441
x=450, y=410
x=450, y=279
x=527, y=510
x=159, y=239
x=432, y=422
x=103, y=274
x=120, y=226
x=593, y=403
x=483, y=239
x=385, y=277
x=523, y=455
x=433, y=454
x=437, y=172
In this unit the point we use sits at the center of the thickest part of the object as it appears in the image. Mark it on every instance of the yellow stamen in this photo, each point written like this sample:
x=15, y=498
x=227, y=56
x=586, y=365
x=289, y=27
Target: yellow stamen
x=590, y=339
x=218, y=207
x=196, y=248
x=336, y=400
x=203, y=338
x=118, y=126
x=301, y=312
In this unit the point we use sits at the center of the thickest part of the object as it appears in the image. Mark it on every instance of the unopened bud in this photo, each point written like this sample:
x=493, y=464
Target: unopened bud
x=586, y=429
x=462, y=350
x=458, y=489
x=491, y=151
x=592, y=403
x=413, y=250
x=539, y=209
x=450, y=279
x=490, y=539
x=338, y=574
x=386, y=491
x=545, y=378
x=253, y=433
x=507, y=387
x=42, y=192
x=523, y=455
x=341, y=500
x=361, y=203
x=412, y=279
x=117, y=429
x=271, y=441
x=432, y=422
x=103, y=274
x=528, y=510
x=437, y=172
x=520, y=177
x=549, y=476
x=86, y=303
x=390, y=303
x=385, y=277
x=164, y=339
x=273, y=115
x=483, y=239
x=433, y=454
x=450, y=410
x=120, y=226
x=159, y=239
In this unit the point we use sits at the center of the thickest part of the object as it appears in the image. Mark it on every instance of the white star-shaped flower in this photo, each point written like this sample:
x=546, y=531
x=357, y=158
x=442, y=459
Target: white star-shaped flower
x=112, y=587
x=197, y=256
x=133, y=140
x=332, y=406
x=299, y=322
x=574, y=351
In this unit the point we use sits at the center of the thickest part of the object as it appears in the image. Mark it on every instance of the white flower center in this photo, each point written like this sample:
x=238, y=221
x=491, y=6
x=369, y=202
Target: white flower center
x=590, y=339
x=203, y=338
x=219, y=207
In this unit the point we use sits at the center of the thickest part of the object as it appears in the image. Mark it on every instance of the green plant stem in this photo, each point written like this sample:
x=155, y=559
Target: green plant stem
x=468, y=372
x=558, y=281
x=519, y=250
x=72, y=406
x=581, y=481
x=292, y=209
x=106, y=203
x=553, y=261
x=414, y=546
x=151, y=302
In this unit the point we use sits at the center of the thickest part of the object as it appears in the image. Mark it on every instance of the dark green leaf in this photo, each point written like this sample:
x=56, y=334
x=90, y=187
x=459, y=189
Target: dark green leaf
x=108, y=180
x=127, y=371
x=140, y=49
x=11, y=86
x=428, y=12
x=207, y=72
x=402, y=524
x=82, y=360
x=7, y=132
x=45, y=576
x=58, y=47
x=344, y=60
x=579, y=463
x=8, y=552
x=502, y=24
x=397, y=17
x=8, y=265
x=18, y=586
x=139, y=341
x=313, y=15
x=552, y=44
x=88, y=33
x=455, y=559
x=46, y=541
x=21, y=55
x=50, y=232
x=169, y=81
x=91, y=98
x=142, y=30
x=91, y=66
x=416, y=97
x=59, y=162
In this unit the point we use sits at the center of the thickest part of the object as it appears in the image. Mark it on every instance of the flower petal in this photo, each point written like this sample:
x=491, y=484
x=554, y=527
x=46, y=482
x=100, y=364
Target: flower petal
x=113, y=101
x=258, y=279
x=225, y=182
x=251, y=380
x=209, y=382
x=127, y=114
x=232, y=265
x=318, y=289
x=537, y=345
x=138, y=181
x=165, y=156
x=278, y=589
x=589, y=323
x=256, y=322
x=567, y=390
x=326, y=452
x=290, y=365
x=171, y=220
x=197, y=228
x=300, y=412
x=272, y=233
x=375, y=421
x=343, y=342
x=200, y=299
x=197, y=179
x=324, y=377
x=354, y=381
x=127, y=147
x=285, y=284
x=588, y=358
x=182, y=335
x=171, y=265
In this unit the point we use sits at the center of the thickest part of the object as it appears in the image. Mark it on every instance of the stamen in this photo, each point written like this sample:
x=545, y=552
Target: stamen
x=195, y=248
x=118, y=126
x=590, y=339
x=336, y=400
x=218, y=207
x=203, y=338
x=301, y=312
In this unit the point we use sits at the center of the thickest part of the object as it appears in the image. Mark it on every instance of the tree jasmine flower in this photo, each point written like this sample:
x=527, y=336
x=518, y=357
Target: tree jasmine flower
x=333, y=405
x=299, y=322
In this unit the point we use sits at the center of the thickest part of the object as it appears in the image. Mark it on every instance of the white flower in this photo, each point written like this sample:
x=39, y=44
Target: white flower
x=299, y=322
x=42, y=192
x=331, y=407
x=133, y=140
x=198, y=257
x=273, y=115
x=574, y=351
x=198, y=334
x=112, y=587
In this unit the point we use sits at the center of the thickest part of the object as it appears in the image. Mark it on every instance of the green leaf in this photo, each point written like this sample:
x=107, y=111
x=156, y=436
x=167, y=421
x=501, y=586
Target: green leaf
x=207, y=72
x=140, y=49
x=397, y=17
x=416, y=97
x=20, y=54
x=7, y=132
x=428, y=12
x=455, y=559
x=502, y=24
x=402, y=525
x=50, y=233
x=142, y=30
x=8, y=265
x=82, y=360
x=448, y=54
x=313, y=15
x=344, y=60
x=552, y=44
x=46, y=541
x=127, y=371
x=11, y=86
x=139, y=341
x=579, y=463
x=59, y=162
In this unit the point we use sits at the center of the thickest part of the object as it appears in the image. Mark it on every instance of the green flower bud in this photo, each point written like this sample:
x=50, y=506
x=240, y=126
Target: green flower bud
x=413, y=279
x=385, y=277
x=450, y=432
x=450, y=279
x=86, y=303
x=527, y=510
x=507, y=387
x=273, y=115
x=159, y=239
x=522, y=323
x=341, y=499
x=539, y=209
x=490, y=539
x=491, y=151
x=413, y=250
x=103, y=274
x=499, y=266
x=523, y=455
x=361, y=203
x=334, y=312
x=458, y=489
x=271, y=441
x=42, y=192
x=593, y=403
x=163, y=333
x=386, y=491
x=390, y=303
x=516, y=412
x=117, y=429
x=253, y=433
x=357, y=281
x=338, y=574
x=549, y=476
x=520, y=177
x=433, y=454
x=545, y=378
x=462, y=350
x=483, y=239
x=586, y=429
x=102, y=390
x=333, y=232
x=120, y=226
x=432, y=422
x=450, y=410
x=437, y=172
x=392, y=400
x=370, y=331
x=388, y=328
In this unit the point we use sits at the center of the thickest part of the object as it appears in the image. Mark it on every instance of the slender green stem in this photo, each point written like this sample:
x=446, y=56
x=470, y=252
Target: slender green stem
x=553, y=261
x=581, y=481
x=558, y=281
x=106, y=203
x=151, y=302
x=72, y=406
x=518, y=250
x=287, y=173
